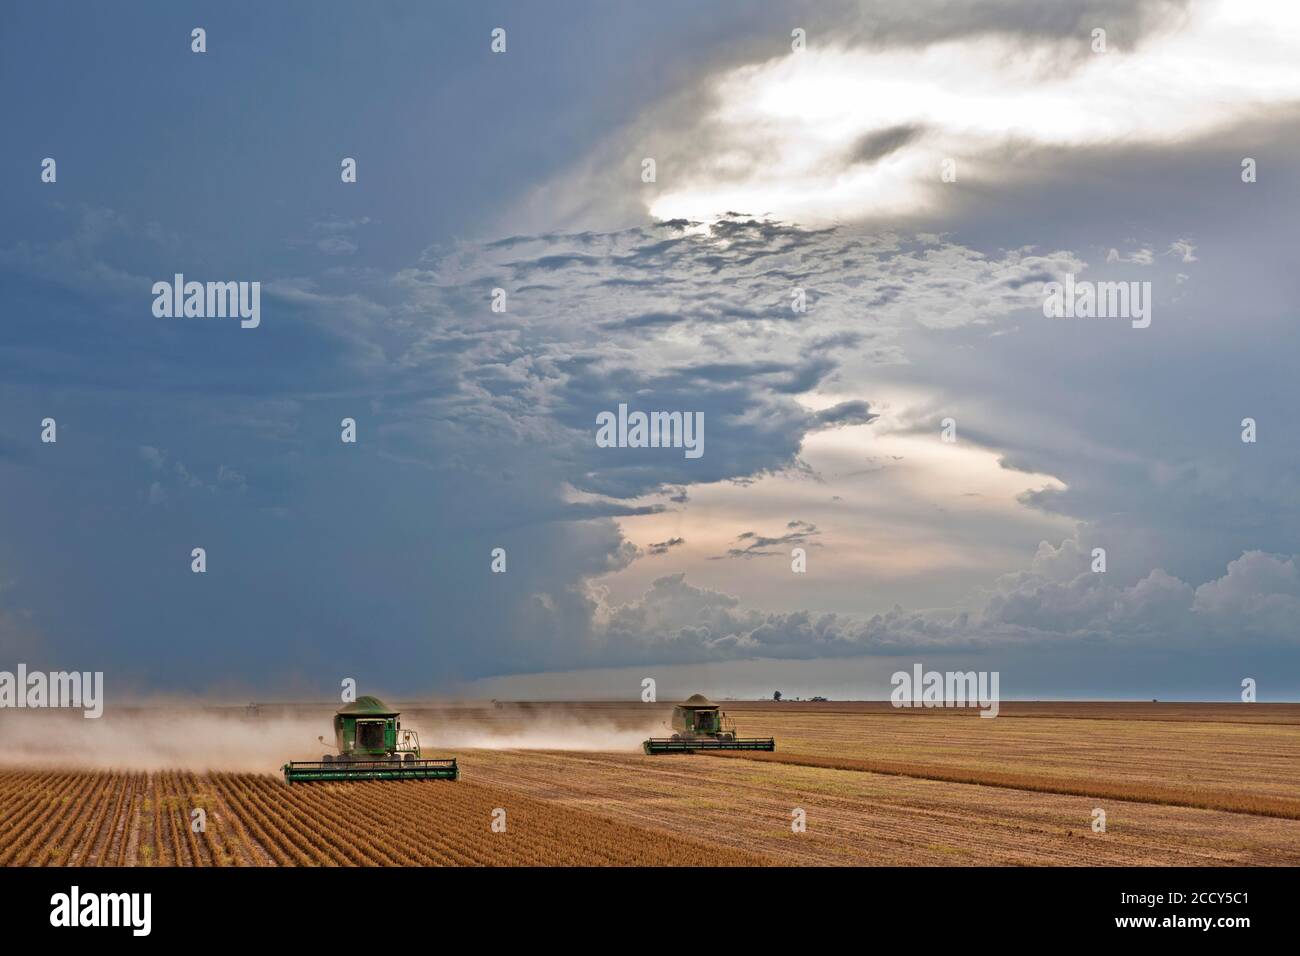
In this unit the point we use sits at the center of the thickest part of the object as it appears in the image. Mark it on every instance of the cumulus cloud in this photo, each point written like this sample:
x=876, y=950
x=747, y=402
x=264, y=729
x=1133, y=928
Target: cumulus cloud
x=1058, y=603
x=497, y=411
x=1258, y=597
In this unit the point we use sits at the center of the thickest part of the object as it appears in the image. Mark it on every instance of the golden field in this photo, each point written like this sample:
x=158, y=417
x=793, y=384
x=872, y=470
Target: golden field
x=1179, y=785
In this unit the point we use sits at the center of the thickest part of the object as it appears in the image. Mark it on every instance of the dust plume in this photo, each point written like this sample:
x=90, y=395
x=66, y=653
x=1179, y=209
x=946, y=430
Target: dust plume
x=177, y=737
x=540, y=733
x=194, y=740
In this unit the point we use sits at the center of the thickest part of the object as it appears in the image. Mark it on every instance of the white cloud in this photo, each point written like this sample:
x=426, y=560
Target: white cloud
x=1141, y=257
x=780, y=137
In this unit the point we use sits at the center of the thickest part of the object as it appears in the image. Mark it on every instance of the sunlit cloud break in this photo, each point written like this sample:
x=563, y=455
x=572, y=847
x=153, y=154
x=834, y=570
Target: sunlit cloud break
x=838, y=132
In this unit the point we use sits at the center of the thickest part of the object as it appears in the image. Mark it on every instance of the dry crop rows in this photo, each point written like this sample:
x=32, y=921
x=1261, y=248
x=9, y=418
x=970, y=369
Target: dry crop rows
x=114, y=819
x=1208, y=757
x=878, y=787
x=862, y=818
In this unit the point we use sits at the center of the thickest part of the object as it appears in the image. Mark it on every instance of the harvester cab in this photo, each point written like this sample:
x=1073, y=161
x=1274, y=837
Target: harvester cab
x=698, y=724
x=372, y=745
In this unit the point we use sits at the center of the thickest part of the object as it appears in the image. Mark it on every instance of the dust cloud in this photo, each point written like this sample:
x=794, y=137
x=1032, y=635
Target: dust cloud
x=198, y=740
x=539, y=733
x=160, y=740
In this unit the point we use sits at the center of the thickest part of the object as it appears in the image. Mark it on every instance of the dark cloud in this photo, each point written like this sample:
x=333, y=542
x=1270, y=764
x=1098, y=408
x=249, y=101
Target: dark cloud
x=476, y=429
x=880, y=143
x=662, y=547
x=846, y=413
x=757, y=545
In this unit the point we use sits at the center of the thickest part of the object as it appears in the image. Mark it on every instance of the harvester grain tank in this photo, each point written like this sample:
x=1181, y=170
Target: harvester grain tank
x=698, y=724
x=372, y=745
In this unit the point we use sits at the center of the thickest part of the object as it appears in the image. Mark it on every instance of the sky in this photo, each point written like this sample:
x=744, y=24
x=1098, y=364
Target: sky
x=919, y=172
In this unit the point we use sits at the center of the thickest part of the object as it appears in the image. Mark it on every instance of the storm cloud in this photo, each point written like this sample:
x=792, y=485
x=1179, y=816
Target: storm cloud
x=799, y=274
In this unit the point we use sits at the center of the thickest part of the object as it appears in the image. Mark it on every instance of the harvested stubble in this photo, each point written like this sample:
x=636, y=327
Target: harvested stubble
x=110, y=819
x=862, y=818
x=1203, y=756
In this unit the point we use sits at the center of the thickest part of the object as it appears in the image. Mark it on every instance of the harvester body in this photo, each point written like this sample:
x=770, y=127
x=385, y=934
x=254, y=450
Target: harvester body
x=371, y=746
x=698, y=724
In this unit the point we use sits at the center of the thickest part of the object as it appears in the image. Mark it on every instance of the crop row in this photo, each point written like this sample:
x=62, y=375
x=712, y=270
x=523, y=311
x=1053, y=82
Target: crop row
x=174, y=818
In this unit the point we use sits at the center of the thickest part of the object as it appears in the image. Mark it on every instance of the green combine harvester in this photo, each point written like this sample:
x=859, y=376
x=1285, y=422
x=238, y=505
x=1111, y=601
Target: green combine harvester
x=371, y=746
x=699, y=725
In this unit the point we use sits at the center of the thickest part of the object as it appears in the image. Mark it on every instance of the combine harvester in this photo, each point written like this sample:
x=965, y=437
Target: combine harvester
x=372, y=746
x=701, y=726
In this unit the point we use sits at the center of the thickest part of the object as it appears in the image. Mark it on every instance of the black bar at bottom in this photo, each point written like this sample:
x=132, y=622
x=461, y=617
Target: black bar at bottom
x=919, y=907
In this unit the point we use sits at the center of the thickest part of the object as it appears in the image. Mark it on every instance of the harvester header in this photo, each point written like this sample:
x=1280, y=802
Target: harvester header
x=700, y=725
x=371, y=745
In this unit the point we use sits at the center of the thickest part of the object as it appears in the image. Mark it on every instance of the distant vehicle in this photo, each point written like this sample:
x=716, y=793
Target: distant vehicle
x=701, y=726
x=817, y=699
